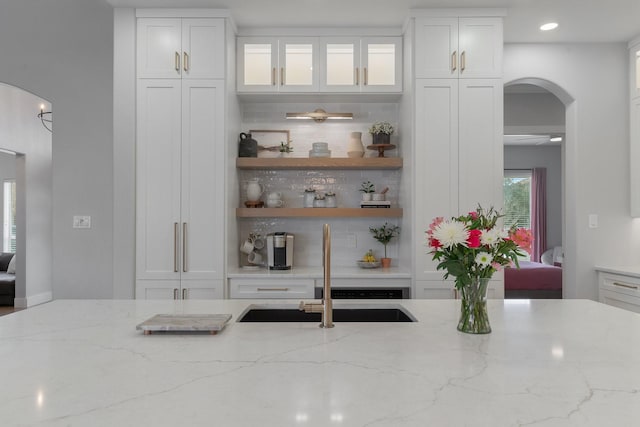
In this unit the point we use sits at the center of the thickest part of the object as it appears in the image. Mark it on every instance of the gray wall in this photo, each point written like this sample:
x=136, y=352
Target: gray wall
x=543, y=157
x=63, y=52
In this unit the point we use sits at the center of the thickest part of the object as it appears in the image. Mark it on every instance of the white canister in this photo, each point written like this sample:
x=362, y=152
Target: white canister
x=330, y=200
x=309, y=196
x=355, y=148
x=319, y=202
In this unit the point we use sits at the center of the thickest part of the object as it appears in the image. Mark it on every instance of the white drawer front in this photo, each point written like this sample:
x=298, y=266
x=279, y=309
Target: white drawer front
x=270, y=288
x=621, y=284
x=619, y=300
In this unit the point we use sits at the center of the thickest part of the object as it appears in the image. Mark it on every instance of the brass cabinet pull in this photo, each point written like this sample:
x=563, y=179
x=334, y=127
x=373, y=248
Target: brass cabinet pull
x=366, y=76
x=455, y=293
x=623, y=285
x=357, y=76
x=273, y=289
x=184, y=293
x=463, y=62
x=186, y=61
x=281, y=76
x=175, y=293
x=176, y=248
x=184, y=247
x=454, y=61
x=273, y=76
x=177, y=64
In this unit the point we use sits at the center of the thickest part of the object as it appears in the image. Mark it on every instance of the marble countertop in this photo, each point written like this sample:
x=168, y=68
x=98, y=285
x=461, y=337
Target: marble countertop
x=546, y=363
x=627, y=270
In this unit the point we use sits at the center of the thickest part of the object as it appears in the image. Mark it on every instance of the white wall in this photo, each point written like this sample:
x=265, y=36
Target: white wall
x=7, y=171
x=597, y=149
x=63, y=52
x=549, y=157
x=22, y=133
x=534, y=111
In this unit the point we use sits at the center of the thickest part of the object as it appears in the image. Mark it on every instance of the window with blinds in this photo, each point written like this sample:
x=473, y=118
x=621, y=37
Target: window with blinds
x=517, y=198
x=9, y=217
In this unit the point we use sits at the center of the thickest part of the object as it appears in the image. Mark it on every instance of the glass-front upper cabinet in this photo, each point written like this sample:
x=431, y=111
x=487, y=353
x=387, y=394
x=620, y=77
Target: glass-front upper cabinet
x=277, y=65
x=360, y=64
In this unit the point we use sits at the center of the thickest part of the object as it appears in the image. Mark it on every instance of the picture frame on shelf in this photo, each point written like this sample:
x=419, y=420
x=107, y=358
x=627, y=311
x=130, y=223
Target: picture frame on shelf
x=269, y=141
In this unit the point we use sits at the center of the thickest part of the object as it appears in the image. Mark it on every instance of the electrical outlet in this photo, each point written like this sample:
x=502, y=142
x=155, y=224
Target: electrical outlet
x=81, y=221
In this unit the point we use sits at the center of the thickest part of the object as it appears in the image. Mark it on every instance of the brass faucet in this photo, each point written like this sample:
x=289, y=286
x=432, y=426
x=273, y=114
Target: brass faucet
x=326, y=306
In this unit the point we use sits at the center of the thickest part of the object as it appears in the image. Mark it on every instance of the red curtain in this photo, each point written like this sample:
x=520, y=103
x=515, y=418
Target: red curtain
x=538, y=212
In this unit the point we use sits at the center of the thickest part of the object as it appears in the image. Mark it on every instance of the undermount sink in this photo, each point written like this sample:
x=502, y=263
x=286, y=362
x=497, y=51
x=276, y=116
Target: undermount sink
x=364, y=313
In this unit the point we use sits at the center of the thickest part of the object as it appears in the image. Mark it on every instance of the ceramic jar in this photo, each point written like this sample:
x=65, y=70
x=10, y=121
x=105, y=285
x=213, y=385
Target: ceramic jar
x=355, y=148
x=330, y=200
x=319, y=201
x=254, y=190
x=309, y=196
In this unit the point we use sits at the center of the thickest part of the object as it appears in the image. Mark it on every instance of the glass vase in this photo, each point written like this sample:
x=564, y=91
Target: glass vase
x=474, y=318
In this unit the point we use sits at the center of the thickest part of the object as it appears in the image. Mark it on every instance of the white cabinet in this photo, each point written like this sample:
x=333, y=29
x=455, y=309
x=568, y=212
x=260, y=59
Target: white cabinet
x=268, y=64
x=189, y=48
x=620, y=291
x=451, y=47
x=180, y=191
x=634, y=68
x=269, y=288
x=445, y=289
x=353, y=64
x=634, y=123
x=176, y=289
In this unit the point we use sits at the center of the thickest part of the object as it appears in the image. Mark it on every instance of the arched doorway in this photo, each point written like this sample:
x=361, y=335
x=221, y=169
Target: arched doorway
x=568, y=156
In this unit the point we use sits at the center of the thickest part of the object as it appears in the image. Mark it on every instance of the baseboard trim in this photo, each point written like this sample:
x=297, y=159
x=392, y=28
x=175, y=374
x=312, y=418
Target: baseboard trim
x=33, y=300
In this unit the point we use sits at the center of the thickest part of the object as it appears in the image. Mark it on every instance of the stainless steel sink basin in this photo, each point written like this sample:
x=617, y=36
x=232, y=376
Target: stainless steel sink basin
x=341, y=313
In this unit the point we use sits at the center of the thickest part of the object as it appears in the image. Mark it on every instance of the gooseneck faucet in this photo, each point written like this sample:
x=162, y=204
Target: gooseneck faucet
x=326, y=306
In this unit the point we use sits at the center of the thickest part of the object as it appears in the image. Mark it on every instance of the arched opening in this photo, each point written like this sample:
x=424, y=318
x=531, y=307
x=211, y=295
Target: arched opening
x=568, y=180
x=23, y=135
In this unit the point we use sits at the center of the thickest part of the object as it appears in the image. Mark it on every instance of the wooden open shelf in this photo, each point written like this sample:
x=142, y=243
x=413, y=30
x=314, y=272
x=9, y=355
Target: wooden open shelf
x=319, y=163
x=319, y=212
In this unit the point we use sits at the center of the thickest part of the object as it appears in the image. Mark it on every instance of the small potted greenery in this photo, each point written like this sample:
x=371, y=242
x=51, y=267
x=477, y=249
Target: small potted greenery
x=384, y=235
x=285, y=149
x=381, y=132
x=367, y=189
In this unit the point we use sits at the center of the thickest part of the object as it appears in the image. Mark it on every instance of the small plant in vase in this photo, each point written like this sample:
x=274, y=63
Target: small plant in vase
x=384, y=235
x=367, y=188
x=381, y=132
x=285, y=149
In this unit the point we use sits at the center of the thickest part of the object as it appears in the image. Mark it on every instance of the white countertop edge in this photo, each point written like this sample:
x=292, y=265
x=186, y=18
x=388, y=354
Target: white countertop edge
x=633, y=270
x=316, y=273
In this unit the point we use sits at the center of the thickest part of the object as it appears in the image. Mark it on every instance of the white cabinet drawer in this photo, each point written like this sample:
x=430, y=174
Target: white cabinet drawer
x=620, y=300
x=270, y=288
x=444, y=289
x=620, y=291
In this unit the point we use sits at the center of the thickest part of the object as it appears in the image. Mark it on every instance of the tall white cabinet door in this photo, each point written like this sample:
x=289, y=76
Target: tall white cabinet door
x=436, y=163
x=634, y=155
x=480, y=144
x=203, y=48
x=203, y=150
x=480, y=47
x=436, y=49
x=158, y=179
x=381, y=64
x=159, y=48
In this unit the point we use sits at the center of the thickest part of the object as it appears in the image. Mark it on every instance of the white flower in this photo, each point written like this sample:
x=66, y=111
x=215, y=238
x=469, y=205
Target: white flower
x=503, y=234
x=490, y=237
x=483, y=259
x=451, y=233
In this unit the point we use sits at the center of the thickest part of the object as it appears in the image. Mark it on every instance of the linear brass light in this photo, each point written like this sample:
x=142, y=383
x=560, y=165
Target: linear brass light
x=320, y=116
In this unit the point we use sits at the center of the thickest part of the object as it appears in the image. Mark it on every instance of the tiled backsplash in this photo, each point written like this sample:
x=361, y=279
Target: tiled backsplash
x=350, y=236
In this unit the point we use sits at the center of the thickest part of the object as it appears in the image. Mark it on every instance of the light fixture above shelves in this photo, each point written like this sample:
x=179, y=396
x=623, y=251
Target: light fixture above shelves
x=46, y=117
x=319, y=116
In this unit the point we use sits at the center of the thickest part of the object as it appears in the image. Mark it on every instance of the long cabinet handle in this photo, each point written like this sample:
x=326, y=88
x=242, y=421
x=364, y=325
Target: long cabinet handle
x=175, y=293
x=366, y=76
x=454, y=61
x=186, y=61
x=623, y=285
x=177, y=62
x=357, y=76
x=463, y=62
x=184, y=247
x=272, y=289
x=176, y=247
x=281, y=76
x=273, y=76
x=184, y=293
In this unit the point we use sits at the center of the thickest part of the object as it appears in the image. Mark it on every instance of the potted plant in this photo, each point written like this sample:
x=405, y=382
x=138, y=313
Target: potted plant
x=383, y=235
x=285, y=149
x=367, y=189
x=381, y=132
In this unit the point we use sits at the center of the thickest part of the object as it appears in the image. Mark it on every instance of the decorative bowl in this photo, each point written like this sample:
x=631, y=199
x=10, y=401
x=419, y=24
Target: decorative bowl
x=368, y=264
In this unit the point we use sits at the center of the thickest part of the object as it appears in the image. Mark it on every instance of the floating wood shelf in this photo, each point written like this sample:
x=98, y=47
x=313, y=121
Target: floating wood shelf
x=319, y=163
x=319, y=212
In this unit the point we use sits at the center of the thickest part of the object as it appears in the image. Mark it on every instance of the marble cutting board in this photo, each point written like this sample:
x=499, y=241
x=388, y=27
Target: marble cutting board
x=211, y=323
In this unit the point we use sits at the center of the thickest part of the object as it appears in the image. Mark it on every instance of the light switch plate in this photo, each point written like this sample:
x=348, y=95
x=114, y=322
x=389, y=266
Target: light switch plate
x=593, y=221
x=81, y=221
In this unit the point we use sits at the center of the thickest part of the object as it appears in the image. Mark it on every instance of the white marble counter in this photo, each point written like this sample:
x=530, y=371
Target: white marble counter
x=546, y=363
x=626, y=270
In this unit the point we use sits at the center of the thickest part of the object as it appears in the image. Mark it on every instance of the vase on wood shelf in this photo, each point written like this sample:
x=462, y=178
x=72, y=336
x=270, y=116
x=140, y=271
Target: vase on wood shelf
x=355, y=148
x=474, y=318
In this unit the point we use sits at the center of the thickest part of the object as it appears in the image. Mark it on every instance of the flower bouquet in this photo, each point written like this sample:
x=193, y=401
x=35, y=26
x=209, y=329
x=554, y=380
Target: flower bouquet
x=471, y=248
x=381, y=132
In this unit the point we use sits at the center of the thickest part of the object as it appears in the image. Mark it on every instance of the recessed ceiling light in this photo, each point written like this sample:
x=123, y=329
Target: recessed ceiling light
x=549, y=26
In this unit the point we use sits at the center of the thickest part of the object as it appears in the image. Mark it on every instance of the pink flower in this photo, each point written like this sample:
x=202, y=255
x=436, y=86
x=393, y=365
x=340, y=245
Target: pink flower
x=496, y=266
x=474, y=238
x=473, y=215
x=435, y=243
x=436, y=221
x=523, y=238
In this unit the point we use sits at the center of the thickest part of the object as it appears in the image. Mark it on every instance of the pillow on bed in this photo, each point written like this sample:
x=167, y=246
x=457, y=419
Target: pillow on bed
x=547, y=257
x=11, y=268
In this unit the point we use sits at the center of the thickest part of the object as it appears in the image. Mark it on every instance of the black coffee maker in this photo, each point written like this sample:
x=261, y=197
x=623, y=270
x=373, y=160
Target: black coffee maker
x=280, y=250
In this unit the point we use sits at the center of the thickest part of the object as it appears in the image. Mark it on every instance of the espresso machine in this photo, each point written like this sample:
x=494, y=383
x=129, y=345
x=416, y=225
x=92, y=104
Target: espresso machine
x=280, y=251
